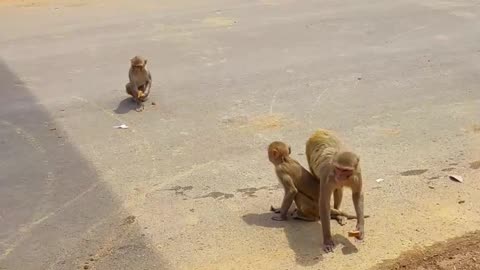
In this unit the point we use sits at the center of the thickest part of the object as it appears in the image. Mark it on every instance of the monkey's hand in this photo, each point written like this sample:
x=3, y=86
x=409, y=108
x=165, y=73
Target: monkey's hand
x=361, y=233
x=328, y=245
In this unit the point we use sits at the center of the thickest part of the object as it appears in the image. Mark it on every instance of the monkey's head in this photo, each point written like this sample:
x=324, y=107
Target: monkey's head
x=278, y=151
x=138, y=63
x=345, y=165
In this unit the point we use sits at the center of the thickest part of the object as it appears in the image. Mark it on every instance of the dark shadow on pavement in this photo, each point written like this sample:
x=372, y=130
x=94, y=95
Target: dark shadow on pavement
x=125, y=106
x=304, y=238
x=55, y=213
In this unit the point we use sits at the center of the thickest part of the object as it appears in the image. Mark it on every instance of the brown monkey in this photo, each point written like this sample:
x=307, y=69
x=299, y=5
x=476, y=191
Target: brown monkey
x=335, y=168
x=140, y=80
x=299, y=185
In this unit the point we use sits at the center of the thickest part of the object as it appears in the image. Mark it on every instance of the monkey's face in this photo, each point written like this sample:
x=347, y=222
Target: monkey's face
x=138, y=68
x=342, y=174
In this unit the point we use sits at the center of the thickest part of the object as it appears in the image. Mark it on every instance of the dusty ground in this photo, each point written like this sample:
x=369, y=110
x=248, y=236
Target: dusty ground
x=188, y=185
x=462, y=253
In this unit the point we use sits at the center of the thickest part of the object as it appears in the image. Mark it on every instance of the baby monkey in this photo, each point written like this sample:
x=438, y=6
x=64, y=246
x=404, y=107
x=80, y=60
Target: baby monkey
x=140, y=81
x=299, y=185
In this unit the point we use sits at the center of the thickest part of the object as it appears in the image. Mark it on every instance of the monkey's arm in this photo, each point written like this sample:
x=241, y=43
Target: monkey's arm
x=357, y=197
x=325, y=194
x=134, y=85
x=290, y=192
x=148, y=84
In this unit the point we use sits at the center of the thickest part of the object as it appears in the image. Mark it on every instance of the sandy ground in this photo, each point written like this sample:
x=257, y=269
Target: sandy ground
x=188, y=185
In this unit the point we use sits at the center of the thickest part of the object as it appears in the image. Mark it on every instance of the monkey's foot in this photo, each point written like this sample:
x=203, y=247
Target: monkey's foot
x=279, y=218
x=342, y=220
x=140, y=107
x=275, y=210
x=298, y=216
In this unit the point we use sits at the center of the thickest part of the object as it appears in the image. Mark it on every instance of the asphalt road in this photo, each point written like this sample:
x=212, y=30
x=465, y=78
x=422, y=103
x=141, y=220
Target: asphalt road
x=188, y=185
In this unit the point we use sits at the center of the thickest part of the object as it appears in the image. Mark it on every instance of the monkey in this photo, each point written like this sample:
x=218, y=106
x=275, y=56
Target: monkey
x=299, y=185
x=140, y=81
x=335, y=167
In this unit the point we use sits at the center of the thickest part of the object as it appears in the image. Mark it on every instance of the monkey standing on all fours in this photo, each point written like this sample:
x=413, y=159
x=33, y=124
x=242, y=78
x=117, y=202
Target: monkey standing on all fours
x=140, y=81
x=335, y=168
x=299, y=184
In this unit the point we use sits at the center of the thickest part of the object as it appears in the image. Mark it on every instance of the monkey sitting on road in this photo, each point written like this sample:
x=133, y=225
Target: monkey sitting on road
x=299, y=185
x=335, y=168
x=140, y=81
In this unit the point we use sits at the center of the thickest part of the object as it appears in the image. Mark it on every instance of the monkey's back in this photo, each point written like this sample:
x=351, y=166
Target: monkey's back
x=320, y=148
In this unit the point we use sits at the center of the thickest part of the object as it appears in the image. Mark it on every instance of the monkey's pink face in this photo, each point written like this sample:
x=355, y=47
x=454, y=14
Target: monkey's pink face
x=342, y=174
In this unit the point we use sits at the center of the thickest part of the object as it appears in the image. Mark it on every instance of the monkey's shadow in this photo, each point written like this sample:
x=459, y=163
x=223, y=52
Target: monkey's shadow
x=304, y=238
x=126, y=105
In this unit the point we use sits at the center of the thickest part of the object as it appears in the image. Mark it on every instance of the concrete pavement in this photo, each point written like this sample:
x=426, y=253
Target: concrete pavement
x=188, y=185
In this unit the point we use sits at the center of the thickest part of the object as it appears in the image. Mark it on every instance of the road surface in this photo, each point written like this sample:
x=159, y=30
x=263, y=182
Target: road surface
x=189, y=185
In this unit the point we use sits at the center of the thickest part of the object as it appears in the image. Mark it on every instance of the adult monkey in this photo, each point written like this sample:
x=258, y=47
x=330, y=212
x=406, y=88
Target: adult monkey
x=140, y=81
x=335, y=168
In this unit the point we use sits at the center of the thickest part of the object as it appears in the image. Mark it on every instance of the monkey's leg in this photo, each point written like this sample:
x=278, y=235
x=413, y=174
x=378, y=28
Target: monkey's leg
x=337, y=201
x=306, y=210
x=129, y=88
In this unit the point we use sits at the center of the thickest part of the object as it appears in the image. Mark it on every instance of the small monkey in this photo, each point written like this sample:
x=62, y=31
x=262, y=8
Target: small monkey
x=299, y=185
x=140, y=81
x=335, y=168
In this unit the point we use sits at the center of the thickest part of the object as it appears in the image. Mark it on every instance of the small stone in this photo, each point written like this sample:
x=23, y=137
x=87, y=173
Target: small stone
x=153, y=103
x=456, y=178
x=359, y=78
x=461, y=201
x=53, y=128
x=431, y=187
x=86, y=267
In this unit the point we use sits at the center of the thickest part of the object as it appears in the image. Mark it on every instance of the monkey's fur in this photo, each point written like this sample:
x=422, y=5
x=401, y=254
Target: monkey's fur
x=140, y=80
x=335, y=168
x=299, y=185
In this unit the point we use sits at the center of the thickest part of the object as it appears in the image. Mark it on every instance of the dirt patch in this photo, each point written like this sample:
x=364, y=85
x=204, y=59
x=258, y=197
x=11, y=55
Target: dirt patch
x=462, y=253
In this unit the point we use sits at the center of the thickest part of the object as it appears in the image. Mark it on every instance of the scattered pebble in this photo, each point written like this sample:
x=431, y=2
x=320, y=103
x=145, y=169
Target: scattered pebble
x=457, y=178
x=431, y=187
x=122, y=126
x=461, y=201
x=53, y=128
x=153, y=103
x=86, y=267
x=380, y=180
